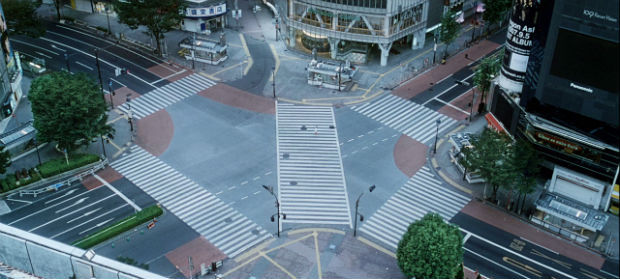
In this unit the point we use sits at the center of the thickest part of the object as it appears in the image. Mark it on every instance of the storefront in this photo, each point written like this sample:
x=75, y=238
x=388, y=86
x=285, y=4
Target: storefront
x=204, y=17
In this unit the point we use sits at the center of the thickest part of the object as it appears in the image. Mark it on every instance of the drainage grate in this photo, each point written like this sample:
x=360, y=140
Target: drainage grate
x=293, y=183
x=285, y=156
x=228, y=220
x=303, y=127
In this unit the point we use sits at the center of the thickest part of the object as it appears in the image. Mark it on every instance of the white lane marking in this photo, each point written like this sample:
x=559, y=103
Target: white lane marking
x=442, y=92
x=518, y=255
x=394, y=135
x=218, y=193
x=44, y=55
x=138, y=78
x=370, y=132
x=66, y=194
x=494, y=262
x=244, y=182
x=360, y=136
x=233, y=187
x=467, y=236
x=256, y=178
x=441, y=80
x=256, y=193
x=84, y=215
x=539, y=245
x=96, y=226
x=50, y=207
x=16, y=200
x=452, y=106
x=85, y=66
x=32, y=45
x=375, y=143
x=118, y=82
x=67, y=214
x=118, y=193
x=165, y=78
x=90, y=220
x=350, y=140
x=160, y=63
x=613, y=275
x=54, y=46
x=244, y=198
x=365, y=147
x=268, y=173
x=384, y=139
x=75, y=203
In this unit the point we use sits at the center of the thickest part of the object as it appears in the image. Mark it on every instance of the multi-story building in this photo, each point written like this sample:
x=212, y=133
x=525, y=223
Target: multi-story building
x=10, y=75
x=558, y=89
x=341, y=27
x=204, y=16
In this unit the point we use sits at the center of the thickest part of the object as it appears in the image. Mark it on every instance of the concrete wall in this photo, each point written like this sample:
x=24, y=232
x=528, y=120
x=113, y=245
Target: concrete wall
x=47, y=258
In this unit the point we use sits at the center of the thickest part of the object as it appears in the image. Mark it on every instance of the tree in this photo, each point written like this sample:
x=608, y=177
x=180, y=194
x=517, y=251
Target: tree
x=431, y=248
x=22, y=18
x=526, y=161
x=495, y=11
x=68, y=109
x=490, y=156
x=449, y=29
x=5, y=160
x=486, y=71
x=159, y=16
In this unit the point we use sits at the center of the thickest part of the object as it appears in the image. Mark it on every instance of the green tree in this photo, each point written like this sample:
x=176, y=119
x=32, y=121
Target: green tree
x=496, y=11
x=490, y=156
x=449, y=30
x=159, y=16
x=486, y=71
x=22, y=18
x=5, y=160
x=431, y=248
x=68, y=109
x=526, y=161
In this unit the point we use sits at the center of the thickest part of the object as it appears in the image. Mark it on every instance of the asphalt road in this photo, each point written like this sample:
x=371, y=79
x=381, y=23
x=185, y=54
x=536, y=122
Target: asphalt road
x=500, y=254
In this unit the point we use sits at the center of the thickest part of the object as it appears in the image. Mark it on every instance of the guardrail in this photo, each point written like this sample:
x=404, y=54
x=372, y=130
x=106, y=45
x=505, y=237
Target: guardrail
x=59, y=180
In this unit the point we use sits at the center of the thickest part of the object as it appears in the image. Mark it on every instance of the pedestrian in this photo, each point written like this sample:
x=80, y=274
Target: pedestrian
x=316, y=130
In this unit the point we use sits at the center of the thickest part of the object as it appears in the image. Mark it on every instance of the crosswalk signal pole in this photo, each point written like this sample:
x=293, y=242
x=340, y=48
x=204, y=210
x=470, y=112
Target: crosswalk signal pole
x=357, y=203
x=436, y=136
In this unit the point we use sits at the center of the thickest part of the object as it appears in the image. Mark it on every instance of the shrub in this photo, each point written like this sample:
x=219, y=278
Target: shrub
x=5, y=185
x=119, y=227
x=59, y=165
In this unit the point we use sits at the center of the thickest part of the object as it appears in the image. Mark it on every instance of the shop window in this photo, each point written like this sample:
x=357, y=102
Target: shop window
x=194, y=12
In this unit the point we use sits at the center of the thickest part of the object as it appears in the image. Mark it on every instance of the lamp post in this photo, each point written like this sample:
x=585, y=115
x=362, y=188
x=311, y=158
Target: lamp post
x=99, y=73
x=434, y=48
x=36, y=146
x=270, y=190
x=107, y=14
x=339, y=76
x=357, y=203
x=473, y=100
x=111, y=92
x=438, y=121
x=129, y=115
x=67, y=61
x=273, y=80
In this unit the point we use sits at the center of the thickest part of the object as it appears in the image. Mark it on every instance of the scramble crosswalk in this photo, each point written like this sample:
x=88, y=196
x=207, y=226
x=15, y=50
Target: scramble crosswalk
x=166, y=95
x=421, y=194
x=220, y=224
x=312, y=187
x=409, y=118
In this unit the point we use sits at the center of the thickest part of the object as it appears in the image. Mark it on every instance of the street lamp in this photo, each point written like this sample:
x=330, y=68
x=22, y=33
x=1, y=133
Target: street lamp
x=438, y=121
x=67, y=61
x=340, y=75
x=99, y=73
x=129, y=115
x=273, y=80
x=111, y=92
x=473, y=100
x=434, y=48
x=270, y=190
x=36, y=146
x=357, y=203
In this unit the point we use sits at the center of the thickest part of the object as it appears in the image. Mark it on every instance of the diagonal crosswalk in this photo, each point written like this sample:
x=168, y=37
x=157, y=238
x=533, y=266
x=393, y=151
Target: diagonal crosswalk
x=409, y=118
x=312, y=187
x=166, y=95
x=220, y=224
x=421, y=194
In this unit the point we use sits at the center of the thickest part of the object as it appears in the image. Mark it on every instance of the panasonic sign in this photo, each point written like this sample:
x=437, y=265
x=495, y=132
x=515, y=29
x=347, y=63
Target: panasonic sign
x=582, y=88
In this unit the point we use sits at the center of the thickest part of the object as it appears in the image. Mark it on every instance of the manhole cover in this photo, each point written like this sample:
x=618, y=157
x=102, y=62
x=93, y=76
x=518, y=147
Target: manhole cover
x=255, y=232
x=285, y=156
x=331, y=126
x=332, y=247
x=228, y=220
x=293, y=183
x=303, y=127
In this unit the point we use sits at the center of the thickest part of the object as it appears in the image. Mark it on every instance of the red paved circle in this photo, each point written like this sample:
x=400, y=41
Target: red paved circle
x=234, y=97
x=409, y=155
x=154, y=132
x=108, y=174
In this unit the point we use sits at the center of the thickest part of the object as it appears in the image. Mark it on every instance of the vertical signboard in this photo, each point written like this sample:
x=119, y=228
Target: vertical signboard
x=519, y=37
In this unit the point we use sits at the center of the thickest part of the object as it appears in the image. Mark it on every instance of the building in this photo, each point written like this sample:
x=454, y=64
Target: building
x=204, y=16
x=10, y=75
x=347, y=29
x=558, y=89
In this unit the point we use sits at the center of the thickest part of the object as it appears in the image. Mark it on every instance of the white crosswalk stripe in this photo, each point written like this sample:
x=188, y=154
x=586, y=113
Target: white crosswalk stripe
x=421, y=194
x=167, y=95
x=311, y=183
x=220, y=224
x=409, y=118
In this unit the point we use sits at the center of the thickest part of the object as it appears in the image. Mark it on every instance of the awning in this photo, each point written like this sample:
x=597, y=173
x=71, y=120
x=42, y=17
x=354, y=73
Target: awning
x=493, y=122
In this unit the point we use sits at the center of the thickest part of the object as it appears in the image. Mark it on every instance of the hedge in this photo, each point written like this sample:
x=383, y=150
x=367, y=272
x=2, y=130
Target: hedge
x=59, y=165
x=119, y=227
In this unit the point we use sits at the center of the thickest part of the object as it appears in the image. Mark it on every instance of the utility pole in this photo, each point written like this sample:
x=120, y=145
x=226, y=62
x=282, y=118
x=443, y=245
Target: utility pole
x=357, y=203
x=273, y=80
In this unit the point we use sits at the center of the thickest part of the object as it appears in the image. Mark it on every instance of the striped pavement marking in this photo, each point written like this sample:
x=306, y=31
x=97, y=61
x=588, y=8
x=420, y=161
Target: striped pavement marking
x=220, y=224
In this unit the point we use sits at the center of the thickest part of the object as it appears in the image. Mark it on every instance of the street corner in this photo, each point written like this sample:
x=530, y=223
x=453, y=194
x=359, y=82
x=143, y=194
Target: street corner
x=121, y=94
x=234, y=97
x=478, y=51
x=409, y=155
x=194, y=256
x=108, y=174
x=461, y=107
x=155, y=132
x=167, y=70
